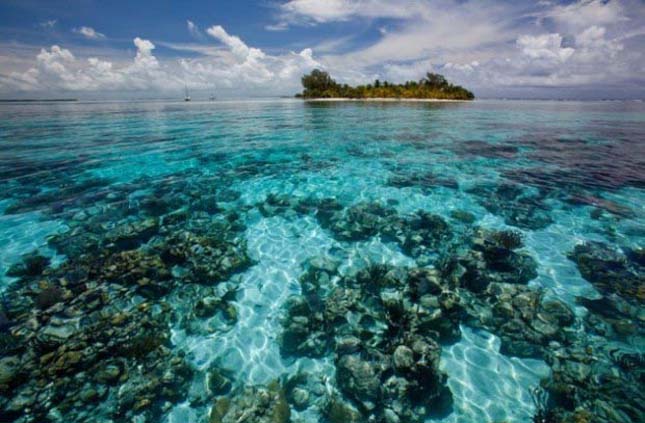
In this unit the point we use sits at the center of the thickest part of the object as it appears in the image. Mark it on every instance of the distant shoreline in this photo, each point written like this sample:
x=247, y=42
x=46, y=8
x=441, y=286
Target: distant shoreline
x=386, y=99
x=38, y=100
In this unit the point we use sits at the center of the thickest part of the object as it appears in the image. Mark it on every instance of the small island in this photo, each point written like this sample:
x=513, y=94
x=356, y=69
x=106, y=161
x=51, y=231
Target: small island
x=320, y=85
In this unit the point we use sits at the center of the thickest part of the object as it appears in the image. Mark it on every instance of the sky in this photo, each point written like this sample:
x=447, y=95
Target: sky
x=581, y=49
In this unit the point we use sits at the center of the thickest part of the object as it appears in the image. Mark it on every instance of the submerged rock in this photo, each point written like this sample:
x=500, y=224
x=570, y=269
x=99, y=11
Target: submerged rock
x=305, y=390
x=341, y=411
x=517, y=205
x=426, y=181
x=463, y=216
x=403, y=358
x=422, y=235
x=492, y=259
x=584, y=384
x=359, y=379
x=131, y=235
x=49, y=296
x=208, y=259
x=522, y=318
x=610, y=271
x=361, y=221
x=32, y=264
x=377, y=325
x=88, y=337
x=614, y=317
x=9, y=371
x=145, y=271
x=305, y=331
x=253, y=405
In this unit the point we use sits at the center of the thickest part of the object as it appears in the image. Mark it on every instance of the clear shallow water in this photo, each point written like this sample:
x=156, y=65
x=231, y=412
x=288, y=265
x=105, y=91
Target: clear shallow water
x=562, y=174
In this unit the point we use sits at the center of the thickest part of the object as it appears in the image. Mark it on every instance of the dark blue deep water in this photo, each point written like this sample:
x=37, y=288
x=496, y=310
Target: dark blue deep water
x=275, y=261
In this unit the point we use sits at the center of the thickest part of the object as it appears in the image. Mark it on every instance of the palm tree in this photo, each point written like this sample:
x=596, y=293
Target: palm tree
x=434, y=80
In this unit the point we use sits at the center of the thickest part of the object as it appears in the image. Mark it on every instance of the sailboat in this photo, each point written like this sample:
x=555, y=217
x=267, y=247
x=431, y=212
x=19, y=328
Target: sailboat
x=187, y=97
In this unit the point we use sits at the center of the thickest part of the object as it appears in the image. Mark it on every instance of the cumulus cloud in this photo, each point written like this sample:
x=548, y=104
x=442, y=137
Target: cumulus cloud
x=89, y=33
x=237, y=66
x=485, y=44
x=544, y=61
x=593, y=45
x=546, y=46
x=144, y=55
x=503, y=44
x=58, y=68
x=249, y=66
x=237, y=46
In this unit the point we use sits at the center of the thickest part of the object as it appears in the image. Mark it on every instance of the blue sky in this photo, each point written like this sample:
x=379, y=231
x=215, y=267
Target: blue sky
x=499, y=48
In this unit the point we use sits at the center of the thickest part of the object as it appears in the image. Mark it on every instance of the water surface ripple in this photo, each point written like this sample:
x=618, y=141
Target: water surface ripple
x=274, y=261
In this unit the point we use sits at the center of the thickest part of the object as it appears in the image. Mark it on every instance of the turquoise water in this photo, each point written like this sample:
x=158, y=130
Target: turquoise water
x=156, y=259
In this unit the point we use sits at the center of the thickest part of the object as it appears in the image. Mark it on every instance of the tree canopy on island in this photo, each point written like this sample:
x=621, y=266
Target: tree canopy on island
x=319, y=84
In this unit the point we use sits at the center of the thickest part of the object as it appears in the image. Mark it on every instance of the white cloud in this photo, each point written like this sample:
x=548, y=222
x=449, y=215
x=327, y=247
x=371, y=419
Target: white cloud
x=408, y=71
x=280, y=26
x=54, y=62
x=244, y=69
x=489, y=44
x=584, y=13
x=250, y=62
x=249, y=65
x=486, y=43
x=591, y=36
x=58, y=69
x=144, y=48
x=89, y=33
x=199, y=48
x=593, y=47
x=542, y=60
x=48, y=24
x=546, y=46
x=144, y=61
x=55, y=54
x=593, y=60
x=237, y=46
x=444, y=30
x=463, y=67
x=332, y=45
x=194, y=30
x=320, y=11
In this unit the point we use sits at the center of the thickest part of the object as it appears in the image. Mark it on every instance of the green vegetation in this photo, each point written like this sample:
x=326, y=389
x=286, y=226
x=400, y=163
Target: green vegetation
x=319, y=84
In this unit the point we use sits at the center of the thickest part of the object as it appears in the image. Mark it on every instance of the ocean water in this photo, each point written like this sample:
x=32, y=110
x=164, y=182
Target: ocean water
x=79, y=182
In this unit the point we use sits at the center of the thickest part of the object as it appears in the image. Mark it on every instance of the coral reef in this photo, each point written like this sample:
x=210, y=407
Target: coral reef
x=252, y=404
x=89, y=338
x=382, y=325
x=86, y=336
x=518, y=205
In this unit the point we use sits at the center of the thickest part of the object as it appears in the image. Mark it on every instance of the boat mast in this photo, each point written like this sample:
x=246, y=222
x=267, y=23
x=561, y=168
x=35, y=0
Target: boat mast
x=187, y=97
